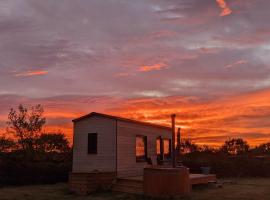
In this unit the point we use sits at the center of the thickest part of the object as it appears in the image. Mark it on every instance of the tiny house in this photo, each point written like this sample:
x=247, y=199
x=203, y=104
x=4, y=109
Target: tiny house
x=107, y=148
x=126, y=155
x=109, y=144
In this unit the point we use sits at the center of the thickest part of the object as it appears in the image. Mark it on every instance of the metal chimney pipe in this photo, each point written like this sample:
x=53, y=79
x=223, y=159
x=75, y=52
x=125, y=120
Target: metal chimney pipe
x=173, y=116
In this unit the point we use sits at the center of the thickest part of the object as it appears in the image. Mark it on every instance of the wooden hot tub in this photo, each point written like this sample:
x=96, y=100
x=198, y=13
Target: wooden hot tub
x=165, y=182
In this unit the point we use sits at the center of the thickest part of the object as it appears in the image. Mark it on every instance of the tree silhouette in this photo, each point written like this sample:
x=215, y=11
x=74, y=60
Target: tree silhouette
x=207, y=149
x=186, y=146
x=262, y=148
x=235, y=146
x=53, y=142
x=26, y=125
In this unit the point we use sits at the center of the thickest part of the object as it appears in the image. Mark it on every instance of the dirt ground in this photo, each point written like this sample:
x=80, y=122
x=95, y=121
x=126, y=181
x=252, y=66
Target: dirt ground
x=241, y=189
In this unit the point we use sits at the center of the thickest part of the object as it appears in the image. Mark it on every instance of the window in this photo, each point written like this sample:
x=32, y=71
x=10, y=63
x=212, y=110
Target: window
x=158, y=143
x=141, y=148
x=92, y=143
x=159, y=148
x=167, y=148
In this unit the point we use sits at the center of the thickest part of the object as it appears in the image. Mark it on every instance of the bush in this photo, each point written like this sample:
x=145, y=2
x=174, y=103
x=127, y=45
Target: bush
x=15, y=169
x=229, y=166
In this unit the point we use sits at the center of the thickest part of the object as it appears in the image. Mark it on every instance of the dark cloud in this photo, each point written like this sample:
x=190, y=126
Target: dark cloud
x=98, y=47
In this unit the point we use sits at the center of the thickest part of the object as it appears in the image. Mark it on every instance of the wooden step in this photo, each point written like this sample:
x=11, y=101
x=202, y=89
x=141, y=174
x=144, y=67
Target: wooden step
x=130, y=180
x=129, y=183
x=127, y=189
x=128, y=186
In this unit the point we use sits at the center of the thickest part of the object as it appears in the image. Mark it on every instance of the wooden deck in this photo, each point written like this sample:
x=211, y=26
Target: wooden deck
x=134, y=185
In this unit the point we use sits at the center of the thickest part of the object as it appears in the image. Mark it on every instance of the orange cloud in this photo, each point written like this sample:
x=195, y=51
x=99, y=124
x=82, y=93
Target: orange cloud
x=225, y=9
x=60, y=114
x=208, y=122
x=239, y=62
x=204, y=122
x=212, y=122
x=32, y=73
x=156, y=67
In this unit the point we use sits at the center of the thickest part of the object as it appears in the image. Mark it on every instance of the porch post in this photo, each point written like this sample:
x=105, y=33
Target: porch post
x=173, y=141
x=178, y=143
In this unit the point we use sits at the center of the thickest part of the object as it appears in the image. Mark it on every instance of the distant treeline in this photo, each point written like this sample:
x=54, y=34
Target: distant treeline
x=231, y=147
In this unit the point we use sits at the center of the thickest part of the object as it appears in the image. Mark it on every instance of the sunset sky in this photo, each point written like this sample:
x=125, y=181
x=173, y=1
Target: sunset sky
x=208, y=61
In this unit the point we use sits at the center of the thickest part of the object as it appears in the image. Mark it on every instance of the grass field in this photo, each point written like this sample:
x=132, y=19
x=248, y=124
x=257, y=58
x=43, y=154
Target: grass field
x=243, y=189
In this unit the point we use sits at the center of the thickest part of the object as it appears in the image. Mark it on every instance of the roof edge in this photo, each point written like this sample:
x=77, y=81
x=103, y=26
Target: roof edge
x=120, y=119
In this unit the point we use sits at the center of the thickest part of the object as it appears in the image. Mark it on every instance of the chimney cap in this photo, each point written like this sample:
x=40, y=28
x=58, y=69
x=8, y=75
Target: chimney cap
x=173, y=115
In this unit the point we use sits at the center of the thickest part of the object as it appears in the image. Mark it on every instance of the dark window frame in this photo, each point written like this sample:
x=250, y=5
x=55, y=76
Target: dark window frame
x=92, y=148
x=144, y=157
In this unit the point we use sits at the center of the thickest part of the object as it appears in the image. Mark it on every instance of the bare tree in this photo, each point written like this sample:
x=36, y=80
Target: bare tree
x=26, y=125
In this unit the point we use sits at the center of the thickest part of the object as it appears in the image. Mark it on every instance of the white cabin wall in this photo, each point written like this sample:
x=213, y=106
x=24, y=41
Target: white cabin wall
x=105, y=159
x=126, y=146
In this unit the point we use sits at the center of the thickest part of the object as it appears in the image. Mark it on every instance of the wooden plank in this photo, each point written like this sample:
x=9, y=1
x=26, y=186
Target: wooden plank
x=126, y=185
x=196, y=179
